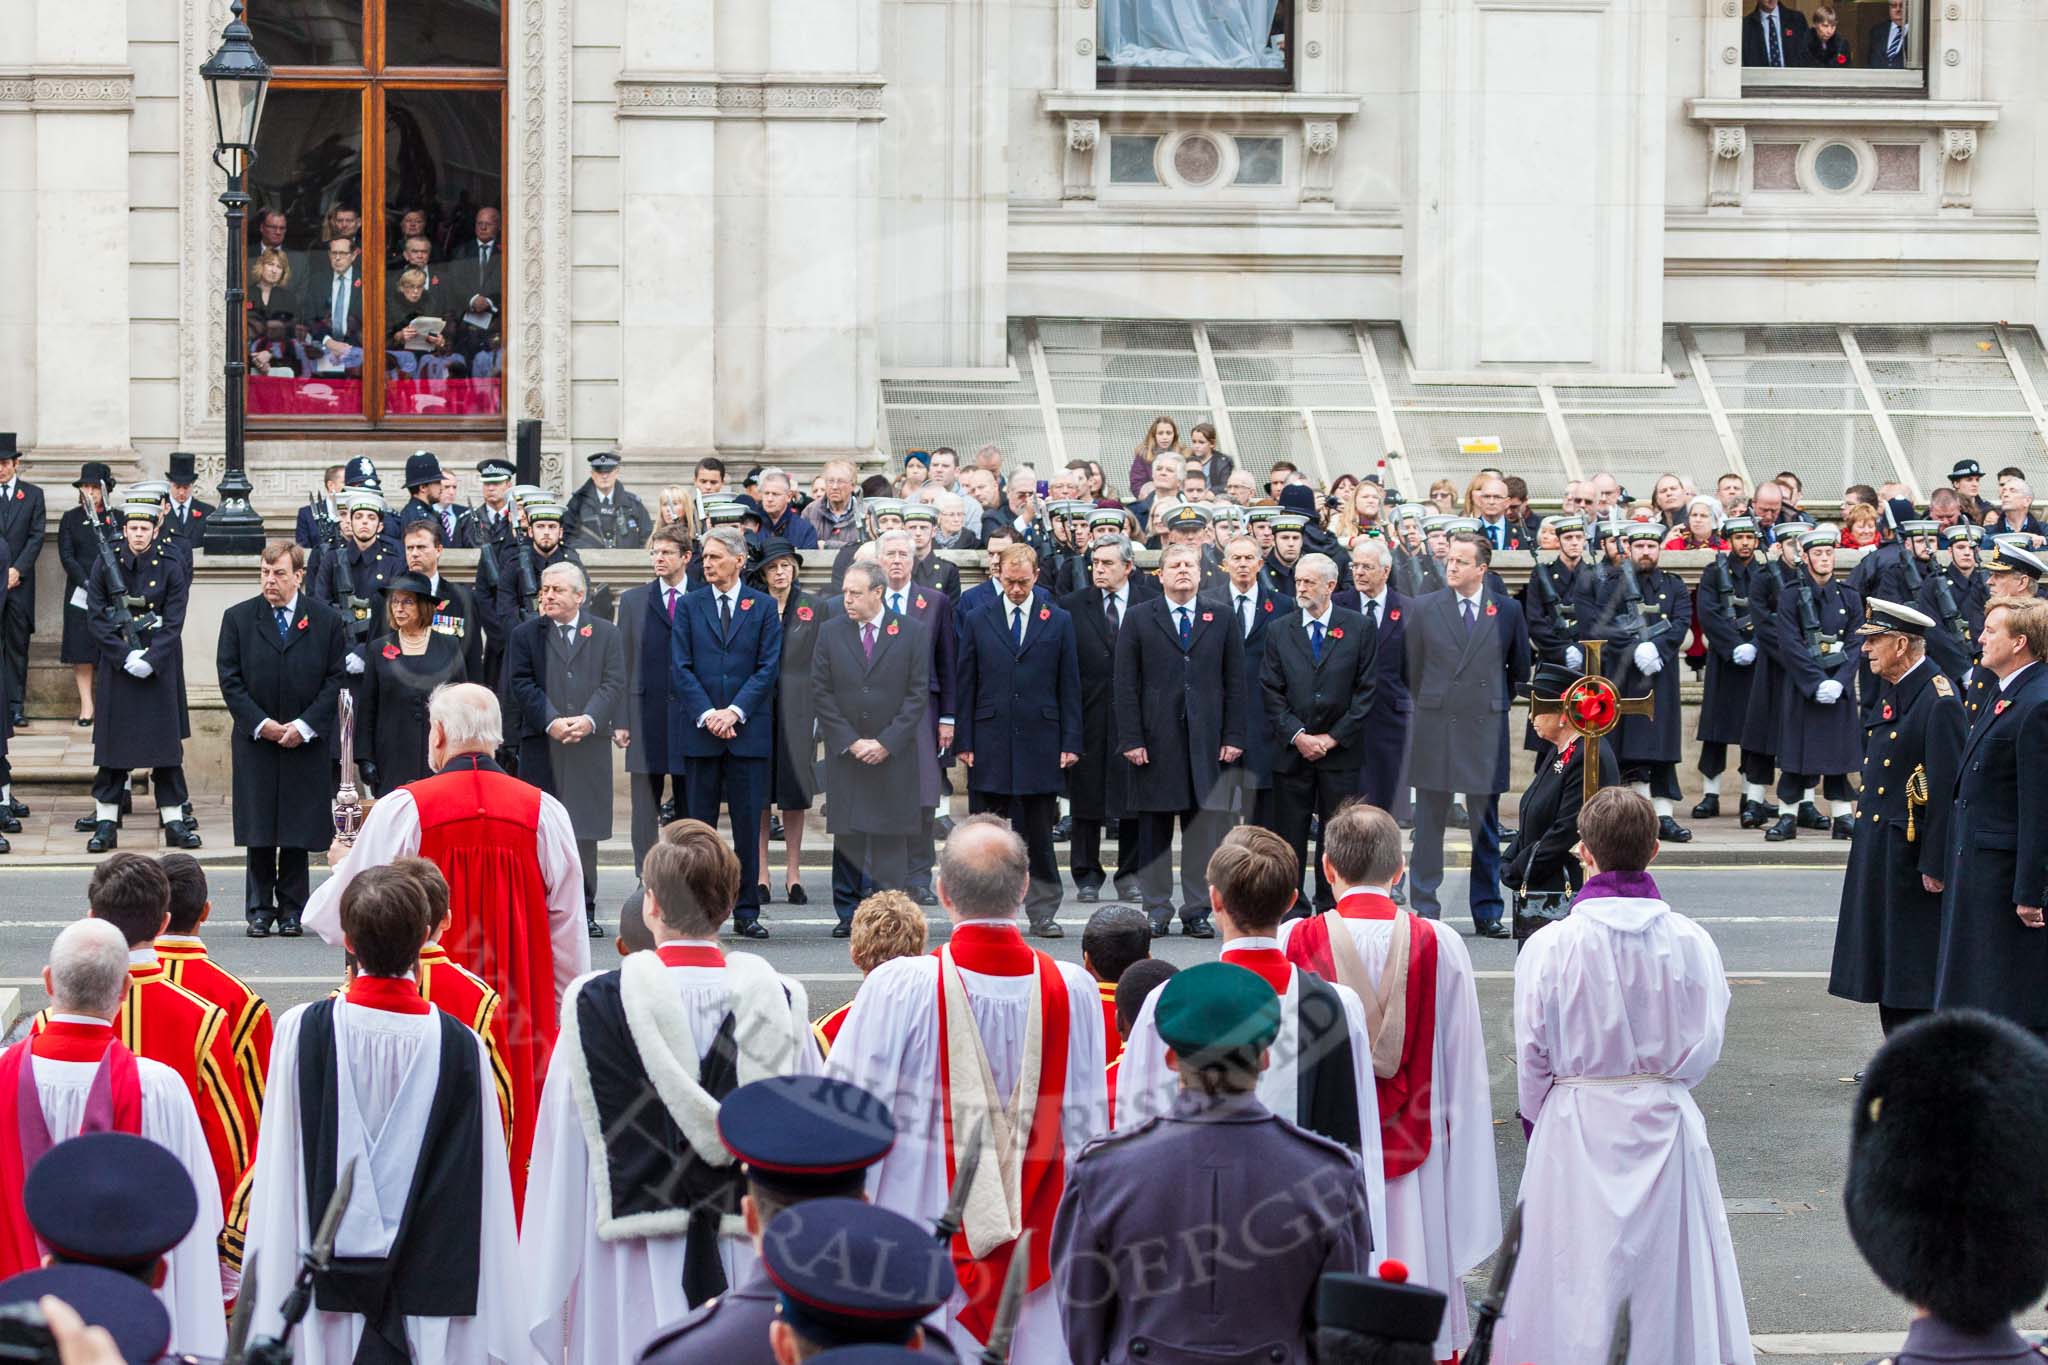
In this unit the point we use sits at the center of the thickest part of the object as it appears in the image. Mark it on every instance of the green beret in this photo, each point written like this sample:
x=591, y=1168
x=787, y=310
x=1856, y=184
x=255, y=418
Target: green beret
x=1215, y=1008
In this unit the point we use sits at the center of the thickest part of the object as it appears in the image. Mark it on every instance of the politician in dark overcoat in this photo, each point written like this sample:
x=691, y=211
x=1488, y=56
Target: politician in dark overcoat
x=1246, y=596
x=1098, y=787
x=279, y=665
x=870, y=690
x=566, y=673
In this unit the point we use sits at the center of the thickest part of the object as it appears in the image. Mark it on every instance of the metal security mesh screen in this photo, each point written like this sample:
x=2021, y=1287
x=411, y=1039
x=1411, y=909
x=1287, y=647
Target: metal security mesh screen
x=1834, y=405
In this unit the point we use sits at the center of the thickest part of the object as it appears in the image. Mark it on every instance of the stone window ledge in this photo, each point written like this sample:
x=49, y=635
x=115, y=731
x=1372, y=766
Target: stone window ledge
x=1951, y=125
x=1085, y=111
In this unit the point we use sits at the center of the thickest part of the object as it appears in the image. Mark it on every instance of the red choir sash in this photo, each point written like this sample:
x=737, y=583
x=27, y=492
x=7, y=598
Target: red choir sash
x=113, y=1105
x=1001, y=951
x=1271, y=965
x=1404, y=1096
x=1112, y=1041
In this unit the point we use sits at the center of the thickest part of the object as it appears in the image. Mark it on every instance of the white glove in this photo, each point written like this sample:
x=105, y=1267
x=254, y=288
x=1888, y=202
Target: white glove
x=353, y=663
x=1574, y=657
x=1648, y=661
x=137, y=664
x=1744, y=655
x=1828, y=693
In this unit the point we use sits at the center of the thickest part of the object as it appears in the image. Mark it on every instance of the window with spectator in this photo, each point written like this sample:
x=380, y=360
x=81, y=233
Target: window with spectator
x=377, y=243
x=1195, y=42
x=1870, y=46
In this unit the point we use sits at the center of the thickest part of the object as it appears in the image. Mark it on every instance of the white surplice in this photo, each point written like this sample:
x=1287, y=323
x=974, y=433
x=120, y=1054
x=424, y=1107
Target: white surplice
x=386, y=1067
x=1146, y=1085
x=1443, y=1217
x=889, y=1046
x=191, y=1291
x=1619, y=1011
x=392, y=831
x=597, y=1300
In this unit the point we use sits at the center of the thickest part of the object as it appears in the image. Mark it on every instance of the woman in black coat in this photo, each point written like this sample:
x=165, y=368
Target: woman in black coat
x=794, y=779
x=79, y=535
x=401, y=669
x=1540, y=864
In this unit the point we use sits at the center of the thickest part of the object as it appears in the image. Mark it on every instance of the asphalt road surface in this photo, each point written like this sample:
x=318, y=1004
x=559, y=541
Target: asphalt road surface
x=1777, y=1106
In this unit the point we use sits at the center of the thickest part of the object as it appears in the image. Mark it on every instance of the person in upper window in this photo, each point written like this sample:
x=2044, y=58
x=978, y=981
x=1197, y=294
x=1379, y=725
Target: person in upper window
x=1773, y=35
x=1889, y=41
x=1825, y=46
x=332, y=304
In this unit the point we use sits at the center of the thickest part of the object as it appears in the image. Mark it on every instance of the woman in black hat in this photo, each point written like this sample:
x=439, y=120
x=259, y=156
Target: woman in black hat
x=402, y=668
x=794, y=780
x=1540, y=867
x=79, y=536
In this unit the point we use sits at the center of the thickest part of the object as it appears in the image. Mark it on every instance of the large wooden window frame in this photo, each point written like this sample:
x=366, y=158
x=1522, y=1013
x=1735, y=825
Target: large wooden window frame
x=372, y=80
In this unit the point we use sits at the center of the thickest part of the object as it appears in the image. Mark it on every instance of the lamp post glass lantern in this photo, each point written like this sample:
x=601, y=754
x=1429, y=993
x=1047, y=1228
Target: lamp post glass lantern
x=237, y=80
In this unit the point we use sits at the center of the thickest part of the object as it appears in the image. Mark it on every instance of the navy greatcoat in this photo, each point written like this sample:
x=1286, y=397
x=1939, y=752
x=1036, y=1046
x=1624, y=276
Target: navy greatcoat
x=1889, y=933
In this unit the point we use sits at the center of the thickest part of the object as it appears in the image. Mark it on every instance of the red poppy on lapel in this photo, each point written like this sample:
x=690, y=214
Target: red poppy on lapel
x=197, y=514
x=1841, y=59
x=391, y=651
x=803, y=613
x=1394, y=615
x=359, y=281
x=1269, y=606
x=440, y=606
x=585, y=632
x=1999, y=709
x=1336, y=632
x=746, y=604
x=1208, y=616
x=1492, y=610
x=1045, y=614
x=891, y=630
x=1887, y=710
x=920, y=601
x=302, y=623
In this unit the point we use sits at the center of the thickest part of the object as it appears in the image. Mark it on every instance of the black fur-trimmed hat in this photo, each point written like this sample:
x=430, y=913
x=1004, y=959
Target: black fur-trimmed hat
x=1946, y=1183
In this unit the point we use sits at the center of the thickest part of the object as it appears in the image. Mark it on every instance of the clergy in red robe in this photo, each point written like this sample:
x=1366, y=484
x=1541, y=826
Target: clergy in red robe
x=985, y=1033
x=1429, y=1058
x=77, y=1076
x=515, y=884
x=1115, y=937
x=184, y=957
x=163, y=1021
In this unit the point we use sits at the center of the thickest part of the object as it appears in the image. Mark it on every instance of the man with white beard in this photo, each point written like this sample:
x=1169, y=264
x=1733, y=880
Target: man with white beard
x=1019, y=1032
x=633, y=1212
x=1620, y=1010
x=85, y=1080
x=426, y=1268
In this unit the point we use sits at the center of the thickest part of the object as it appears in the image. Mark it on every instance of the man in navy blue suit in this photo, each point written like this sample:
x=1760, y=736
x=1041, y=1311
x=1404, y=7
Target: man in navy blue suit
x=1020, y=718
x=988, y=592
x=725, y=652
x=1468, y=654
x=645, y=615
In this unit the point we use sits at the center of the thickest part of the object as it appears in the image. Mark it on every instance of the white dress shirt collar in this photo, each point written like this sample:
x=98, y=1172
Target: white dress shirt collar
x=1324, y=620
x=2005, y=683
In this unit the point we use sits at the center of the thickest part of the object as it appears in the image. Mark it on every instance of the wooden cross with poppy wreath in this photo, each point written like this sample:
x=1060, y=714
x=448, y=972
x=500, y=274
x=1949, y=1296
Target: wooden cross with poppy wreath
x=1592, y=706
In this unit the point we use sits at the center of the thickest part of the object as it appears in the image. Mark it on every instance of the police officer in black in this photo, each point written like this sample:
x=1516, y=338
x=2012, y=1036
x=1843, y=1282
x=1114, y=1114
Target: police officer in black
x=136, y=613
x=603, y=514
x=1820, y=740
x=1889, y=934
x=423, y=480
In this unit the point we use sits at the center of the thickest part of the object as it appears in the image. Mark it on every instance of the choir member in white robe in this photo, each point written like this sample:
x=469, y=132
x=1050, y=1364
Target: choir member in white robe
x=627, y=1150
x=1443, y=1211
x=87, y=980
x=1620, y=1010
x=410, y=1084
x=1323, y=1082
x=1002, y=997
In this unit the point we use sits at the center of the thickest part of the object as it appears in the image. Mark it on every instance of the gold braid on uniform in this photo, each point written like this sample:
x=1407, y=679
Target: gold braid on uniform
x=1916, y=795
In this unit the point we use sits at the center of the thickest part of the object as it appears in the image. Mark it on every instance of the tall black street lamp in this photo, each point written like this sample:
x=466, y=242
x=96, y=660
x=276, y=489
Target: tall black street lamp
x=237, y=78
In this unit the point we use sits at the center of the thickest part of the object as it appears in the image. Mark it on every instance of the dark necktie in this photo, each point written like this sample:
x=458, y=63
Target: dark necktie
x=1315, y=640
x=896, y=603
x=568, y=633
x=1896, y=46
x=284, y=622
x=1109, y=605
x=1187, y=628
x=1471, y=616
x=1773, y=54
x=1244, y=613
x=724, y=615
x=867, y=641
x=671, y=605
x=1016, y=627
x=1372, y=613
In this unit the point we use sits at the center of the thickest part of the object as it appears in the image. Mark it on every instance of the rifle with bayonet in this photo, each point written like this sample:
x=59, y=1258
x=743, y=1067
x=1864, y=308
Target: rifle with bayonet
x=1003, y=1331
x=1496, y=1299
x=1724, y=588
x=1825, y=649
x=1617, y=1344
x=1952, y=614
x=277, y=1350
x=948, y=1226
x=528, y=605
x=1911, y=570
x=355, y=611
